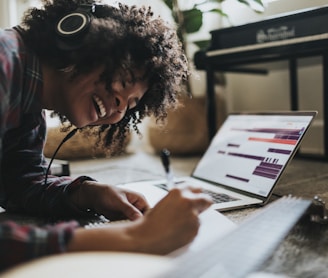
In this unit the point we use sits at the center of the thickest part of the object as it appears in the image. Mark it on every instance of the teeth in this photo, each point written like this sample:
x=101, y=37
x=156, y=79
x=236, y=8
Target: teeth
x=101, y=107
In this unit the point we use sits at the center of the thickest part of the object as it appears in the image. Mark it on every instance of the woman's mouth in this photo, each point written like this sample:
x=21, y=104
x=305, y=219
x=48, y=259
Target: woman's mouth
x=99, y=106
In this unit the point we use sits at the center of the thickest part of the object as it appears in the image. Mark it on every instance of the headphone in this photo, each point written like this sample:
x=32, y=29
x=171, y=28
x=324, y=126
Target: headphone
x=71, y=28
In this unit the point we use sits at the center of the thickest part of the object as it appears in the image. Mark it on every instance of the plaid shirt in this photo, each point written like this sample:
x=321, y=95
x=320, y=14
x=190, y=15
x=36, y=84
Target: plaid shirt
x=22, y=164
x=21, y=243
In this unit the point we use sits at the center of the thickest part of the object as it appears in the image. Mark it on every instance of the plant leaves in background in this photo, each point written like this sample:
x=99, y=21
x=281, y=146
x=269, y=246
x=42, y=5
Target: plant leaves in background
x=202, y=44
x=169, y=3
x=218, y=11
x=193, y=20
x=258, y=7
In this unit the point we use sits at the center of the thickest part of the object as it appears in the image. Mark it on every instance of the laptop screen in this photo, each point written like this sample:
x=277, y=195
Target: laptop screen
x=250, y=151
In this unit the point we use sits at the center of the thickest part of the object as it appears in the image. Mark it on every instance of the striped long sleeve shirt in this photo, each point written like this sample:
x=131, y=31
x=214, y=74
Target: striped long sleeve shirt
x=22, y=163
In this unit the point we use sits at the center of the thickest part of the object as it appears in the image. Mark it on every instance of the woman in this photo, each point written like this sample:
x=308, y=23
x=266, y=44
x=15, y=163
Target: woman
x=101, y=69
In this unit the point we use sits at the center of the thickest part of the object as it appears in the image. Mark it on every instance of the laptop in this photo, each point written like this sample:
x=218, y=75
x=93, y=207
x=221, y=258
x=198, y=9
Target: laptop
x=245, y=159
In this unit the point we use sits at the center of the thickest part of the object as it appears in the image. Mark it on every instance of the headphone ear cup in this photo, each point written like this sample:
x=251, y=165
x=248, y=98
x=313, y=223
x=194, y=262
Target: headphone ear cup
x=71, y=29
x=73, y=24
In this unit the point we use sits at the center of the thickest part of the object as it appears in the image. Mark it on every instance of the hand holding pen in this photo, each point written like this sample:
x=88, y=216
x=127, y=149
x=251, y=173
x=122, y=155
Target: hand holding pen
x=165, y=156
x=170, y=182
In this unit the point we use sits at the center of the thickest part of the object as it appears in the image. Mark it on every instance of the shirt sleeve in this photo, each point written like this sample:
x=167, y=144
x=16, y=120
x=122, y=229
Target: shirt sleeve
x=21, y=243
x=22, y=136
x=24, y=169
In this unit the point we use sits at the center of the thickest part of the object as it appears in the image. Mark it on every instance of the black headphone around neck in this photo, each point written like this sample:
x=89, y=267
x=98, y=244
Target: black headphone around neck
x=72, y=28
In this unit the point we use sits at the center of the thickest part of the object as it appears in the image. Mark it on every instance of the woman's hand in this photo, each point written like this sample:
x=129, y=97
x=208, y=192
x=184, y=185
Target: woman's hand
x=171, y=224
x=113, y=202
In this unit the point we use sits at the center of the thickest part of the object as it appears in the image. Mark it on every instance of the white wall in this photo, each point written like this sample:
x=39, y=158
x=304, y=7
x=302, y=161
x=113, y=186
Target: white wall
x=11, y=11
x=8, y=13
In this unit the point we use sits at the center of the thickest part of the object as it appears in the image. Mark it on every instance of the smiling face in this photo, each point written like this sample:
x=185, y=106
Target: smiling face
x=87, y=101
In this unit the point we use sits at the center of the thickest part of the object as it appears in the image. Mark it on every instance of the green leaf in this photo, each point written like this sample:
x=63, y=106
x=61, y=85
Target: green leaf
x=258, y=2
x=169, y=3
x=219, y=11
x=202, y=44
x=211, y=1
x=193, y=20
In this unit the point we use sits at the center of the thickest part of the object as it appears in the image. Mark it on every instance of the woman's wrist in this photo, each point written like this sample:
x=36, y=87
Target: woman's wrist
x=115, y=237
x=145, y=240
x=82, y=196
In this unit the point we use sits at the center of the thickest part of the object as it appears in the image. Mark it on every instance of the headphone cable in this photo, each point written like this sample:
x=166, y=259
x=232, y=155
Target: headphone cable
x=67, y=137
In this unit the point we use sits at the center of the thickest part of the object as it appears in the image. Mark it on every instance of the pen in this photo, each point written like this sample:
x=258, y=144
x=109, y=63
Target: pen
x=165, y=156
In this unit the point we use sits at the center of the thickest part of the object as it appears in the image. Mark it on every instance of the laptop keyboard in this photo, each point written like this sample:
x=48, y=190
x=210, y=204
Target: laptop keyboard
x=220, y=197
x=216, y=197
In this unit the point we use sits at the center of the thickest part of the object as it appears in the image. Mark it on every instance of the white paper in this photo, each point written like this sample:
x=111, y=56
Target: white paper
x=213, y=224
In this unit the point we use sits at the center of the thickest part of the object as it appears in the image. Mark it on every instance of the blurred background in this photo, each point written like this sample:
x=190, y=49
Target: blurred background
x=237, y=92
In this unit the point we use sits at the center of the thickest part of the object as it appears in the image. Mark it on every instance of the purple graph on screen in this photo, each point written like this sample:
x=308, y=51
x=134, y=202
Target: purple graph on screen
x=268, y=167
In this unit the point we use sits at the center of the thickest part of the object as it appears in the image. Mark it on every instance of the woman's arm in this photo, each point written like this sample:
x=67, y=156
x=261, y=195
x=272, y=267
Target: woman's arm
x=171, y=224
x=21, y=243
x=24, y=171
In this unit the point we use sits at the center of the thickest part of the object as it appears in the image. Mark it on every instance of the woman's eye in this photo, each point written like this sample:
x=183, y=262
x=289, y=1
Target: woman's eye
x=123, y=84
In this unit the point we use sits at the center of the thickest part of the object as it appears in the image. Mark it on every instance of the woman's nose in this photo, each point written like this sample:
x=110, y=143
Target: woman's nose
x=121, y=104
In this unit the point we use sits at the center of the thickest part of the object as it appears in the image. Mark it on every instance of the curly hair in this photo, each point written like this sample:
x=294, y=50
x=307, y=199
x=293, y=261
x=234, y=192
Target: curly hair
x=124, y=39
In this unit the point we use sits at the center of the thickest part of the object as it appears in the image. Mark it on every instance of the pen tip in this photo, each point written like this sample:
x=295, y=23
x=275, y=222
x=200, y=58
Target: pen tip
x=165, y=154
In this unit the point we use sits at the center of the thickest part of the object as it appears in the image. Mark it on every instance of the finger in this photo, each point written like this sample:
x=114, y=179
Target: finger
x=195, y=189
x=138, y=201
x=194, y=192
x=131, y=212
x=201, y=201
x=192, y=188
x=202, y=204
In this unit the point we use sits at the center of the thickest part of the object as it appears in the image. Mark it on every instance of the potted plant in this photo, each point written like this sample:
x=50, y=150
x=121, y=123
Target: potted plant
x=190, y=20
x=185, y=132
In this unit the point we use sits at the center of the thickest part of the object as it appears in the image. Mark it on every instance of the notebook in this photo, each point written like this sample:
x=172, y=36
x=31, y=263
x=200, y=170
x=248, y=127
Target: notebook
x=245, y=159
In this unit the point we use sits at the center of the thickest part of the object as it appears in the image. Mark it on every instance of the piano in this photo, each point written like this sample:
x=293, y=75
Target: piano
x=302, y=32
x=287, y=37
